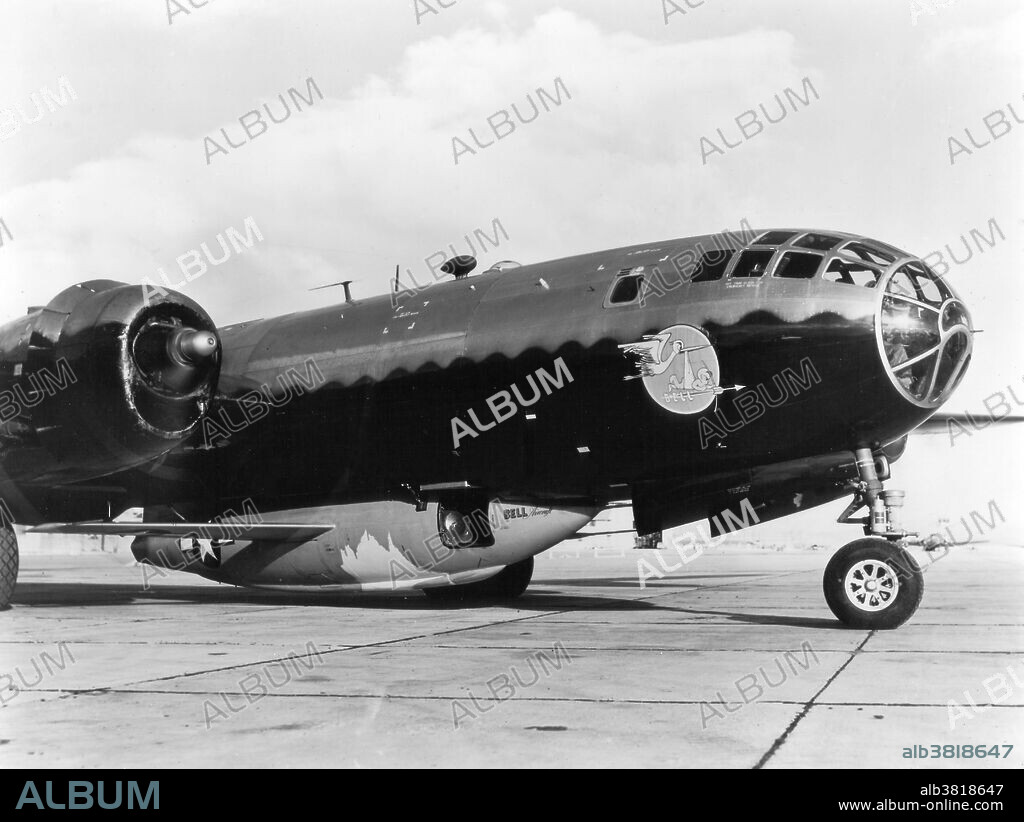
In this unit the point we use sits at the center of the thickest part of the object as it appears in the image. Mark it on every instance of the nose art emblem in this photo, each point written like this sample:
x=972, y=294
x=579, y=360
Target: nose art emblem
x=679, y=368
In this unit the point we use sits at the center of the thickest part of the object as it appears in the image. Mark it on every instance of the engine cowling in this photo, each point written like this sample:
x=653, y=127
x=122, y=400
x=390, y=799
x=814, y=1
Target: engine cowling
x=105, y=377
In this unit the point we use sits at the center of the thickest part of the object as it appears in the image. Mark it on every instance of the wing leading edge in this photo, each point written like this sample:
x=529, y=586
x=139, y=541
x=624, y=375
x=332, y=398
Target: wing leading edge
x=271, y=531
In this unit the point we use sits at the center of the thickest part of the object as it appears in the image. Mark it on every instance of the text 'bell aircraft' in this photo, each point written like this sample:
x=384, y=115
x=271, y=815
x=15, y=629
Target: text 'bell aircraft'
x=438, y=438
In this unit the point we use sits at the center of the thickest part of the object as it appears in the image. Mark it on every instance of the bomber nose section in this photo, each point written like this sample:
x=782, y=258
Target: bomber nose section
x=924, y=334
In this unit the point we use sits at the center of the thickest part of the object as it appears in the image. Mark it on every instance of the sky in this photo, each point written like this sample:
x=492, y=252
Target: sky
x=117, y=181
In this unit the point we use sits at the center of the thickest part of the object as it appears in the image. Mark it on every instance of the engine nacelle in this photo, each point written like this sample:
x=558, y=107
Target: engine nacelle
x=104, y=378
x=375, y=546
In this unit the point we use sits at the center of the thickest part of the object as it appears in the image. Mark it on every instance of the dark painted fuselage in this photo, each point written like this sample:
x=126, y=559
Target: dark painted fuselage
x=372, y=415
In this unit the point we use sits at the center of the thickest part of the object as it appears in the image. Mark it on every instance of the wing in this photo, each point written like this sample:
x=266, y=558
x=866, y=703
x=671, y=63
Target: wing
x=942, y=423
x=589, y=534
x=271, y=531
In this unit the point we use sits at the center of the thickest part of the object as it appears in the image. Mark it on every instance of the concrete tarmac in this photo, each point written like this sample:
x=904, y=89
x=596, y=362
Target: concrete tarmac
x=732, y=660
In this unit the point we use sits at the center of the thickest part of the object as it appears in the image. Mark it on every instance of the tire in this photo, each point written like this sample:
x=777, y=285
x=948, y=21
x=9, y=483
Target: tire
x=872, y=584
x=508, y=584
x=8, y=565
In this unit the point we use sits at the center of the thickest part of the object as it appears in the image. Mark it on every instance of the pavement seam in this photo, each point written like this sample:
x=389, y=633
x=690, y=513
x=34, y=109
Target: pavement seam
x=330, y=651
x=441, y=697
x=807, y=707
x=665, y=649
x=425, y=636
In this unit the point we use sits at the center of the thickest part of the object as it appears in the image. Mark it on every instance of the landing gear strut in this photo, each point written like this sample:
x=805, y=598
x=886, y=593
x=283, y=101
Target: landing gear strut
x=8, y=564
x=874, y=582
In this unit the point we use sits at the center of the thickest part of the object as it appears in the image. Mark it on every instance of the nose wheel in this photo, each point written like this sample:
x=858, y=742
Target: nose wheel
x=874, y=582
x=8, y=564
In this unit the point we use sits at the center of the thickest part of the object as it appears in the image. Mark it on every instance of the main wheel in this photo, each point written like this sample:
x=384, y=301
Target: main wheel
x=8, y=564
x=871, y=583
x=510, y=582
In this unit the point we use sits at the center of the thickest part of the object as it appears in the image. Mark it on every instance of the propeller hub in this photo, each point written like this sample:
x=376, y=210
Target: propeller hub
x=194, y=346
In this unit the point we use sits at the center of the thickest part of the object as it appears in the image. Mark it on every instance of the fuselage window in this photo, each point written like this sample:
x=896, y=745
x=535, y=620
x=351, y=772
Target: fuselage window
x=711, y=266
x=626, y=289
x=841, y=271
x=798, y=265
x=753, y=262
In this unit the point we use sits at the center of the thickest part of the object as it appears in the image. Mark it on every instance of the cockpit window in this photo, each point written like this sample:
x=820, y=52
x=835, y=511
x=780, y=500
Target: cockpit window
x=841, y=271
x=926, y=286
x=867, y=253
x=925, y=334
x=774, y=237
x=798, y=265
x=712, y=266
x=902, y=285
x=888, y=248
x=753, y=262
x=817, y=242
x=929, y=290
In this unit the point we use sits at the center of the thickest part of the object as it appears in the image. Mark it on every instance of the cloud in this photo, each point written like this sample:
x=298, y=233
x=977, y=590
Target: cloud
x=996, y=37
x=366, y=179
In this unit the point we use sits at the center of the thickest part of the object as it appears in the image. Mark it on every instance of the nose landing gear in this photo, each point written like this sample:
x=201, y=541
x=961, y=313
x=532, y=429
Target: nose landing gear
x=874, y=582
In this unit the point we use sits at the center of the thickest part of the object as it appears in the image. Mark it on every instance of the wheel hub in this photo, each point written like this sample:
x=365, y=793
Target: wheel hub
x=871, y=585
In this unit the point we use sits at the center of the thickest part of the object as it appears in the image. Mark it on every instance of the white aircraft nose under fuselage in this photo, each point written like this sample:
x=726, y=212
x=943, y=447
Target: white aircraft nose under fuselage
x=377, y=546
